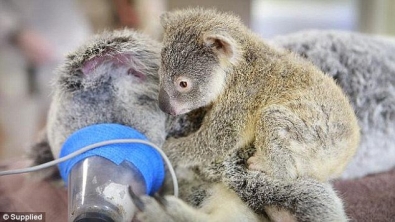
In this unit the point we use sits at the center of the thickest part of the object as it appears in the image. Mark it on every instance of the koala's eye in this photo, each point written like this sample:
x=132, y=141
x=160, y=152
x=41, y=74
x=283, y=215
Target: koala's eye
x=183, y=84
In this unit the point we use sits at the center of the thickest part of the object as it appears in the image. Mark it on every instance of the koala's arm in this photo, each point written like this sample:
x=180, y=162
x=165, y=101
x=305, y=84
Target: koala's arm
x=305, y=199
x=222, y=205
x=209, y=143
x=182, y=150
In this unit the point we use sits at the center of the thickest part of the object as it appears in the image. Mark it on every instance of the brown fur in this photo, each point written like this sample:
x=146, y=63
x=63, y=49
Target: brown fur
x=297, y=118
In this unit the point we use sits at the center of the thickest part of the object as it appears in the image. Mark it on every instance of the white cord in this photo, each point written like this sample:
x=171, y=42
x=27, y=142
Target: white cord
x=95, y=145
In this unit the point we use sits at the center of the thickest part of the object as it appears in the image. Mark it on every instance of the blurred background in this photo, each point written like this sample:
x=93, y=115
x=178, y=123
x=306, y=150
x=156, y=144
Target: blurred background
x=35, y=35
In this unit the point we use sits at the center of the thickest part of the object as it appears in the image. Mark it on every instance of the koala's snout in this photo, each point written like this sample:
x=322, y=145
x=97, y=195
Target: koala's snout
x=164, y=102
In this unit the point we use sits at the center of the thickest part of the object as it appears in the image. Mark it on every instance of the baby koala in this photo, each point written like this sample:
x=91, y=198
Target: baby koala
x=296, y=117
x=298, y=120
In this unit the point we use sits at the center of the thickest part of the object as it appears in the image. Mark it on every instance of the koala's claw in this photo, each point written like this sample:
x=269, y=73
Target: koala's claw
x=154, y=209
x=167, y=209
x=136, y=200
x=161, y=200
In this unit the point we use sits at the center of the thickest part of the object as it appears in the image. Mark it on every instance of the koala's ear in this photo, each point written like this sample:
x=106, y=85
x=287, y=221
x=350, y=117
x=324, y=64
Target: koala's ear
x=127, y=61
x=224, y=46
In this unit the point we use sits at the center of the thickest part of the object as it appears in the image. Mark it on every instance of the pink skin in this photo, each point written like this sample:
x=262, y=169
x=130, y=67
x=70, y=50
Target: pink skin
x=181, y=111
x=171, y=105
x=116, y=60
x=178, y=108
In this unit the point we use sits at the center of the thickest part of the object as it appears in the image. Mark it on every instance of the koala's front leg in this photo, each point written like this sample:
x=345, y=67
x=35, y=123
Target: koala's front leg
x=305, y=199
x=222, y=205
x=180, y=150
x=204, y=146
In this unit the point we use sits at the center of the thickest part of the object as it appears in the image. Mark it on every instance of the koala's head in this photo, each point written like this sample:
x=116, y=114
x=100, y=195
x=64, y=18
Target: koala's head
x=198, y=51
x=112, y=79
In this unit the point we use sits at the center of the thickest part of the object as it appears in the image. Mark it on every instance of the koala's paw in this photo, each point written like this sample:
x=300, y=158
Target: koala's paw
x=150, y=209
x=166, y=209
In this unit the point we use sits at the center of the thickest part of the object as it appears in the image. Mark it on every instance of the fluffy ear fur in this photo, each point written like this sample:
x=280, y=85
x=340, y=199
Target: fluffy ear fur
x=124, y=60
x=224, y=46
x=164, y=19
x=91, y=72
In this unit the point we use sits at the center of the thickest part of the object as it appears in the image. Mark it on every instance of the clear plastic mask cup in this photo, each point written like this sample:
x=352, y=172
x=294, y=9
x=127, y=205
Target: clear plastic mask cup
x=98, y=190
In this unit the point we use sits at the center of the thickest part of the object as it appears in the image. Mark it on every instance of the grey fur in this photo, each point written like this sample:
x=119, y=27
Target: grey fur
x=110, y=90
x=110, y=79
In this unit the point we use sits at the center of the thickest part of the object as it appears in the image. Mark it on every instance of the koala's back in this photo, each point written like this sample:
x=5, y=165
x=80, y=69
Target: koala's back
x=363, y=66
x=318, y=122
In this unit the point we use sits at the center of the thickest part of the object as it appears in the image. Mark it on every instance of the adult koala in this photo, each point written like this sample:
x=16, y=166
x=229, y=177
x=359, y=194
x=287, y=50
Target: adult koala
x=111, y=79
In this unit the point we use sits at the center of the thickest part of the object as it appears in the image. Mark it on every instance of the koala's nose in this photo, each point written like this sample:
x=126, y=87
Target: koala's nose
x=164, y=102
